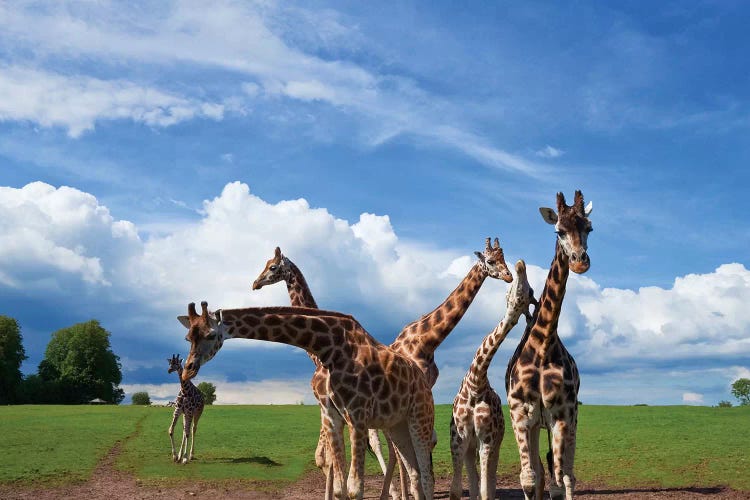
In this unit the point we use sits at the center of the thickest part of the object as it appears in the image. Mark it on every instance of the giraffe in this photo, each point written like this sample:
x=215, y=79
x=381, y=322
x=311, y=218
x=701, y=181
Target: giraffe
x=419, y=339
x=281, y=268
x=371, y=386
x=477, y=424
x=189, y=403
x=542, y=378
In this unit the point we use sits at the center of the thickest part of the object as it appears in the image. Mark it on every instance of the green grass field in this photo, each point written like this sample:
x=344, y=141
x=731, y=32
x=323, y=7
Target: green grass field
x=672, y=446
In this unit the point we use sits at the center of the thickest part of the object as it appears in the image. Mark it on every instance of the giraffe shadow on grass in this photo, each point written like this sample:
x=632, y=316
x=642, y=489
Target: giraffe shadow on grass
x=247, y=460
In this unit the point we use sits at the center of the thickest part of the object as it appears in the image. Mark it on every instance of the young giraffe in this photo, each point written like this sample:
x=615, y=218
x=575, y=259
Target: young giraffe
x=419, y=340
x=542, y=378
x=477, y=424
x=371, y=386
x=280, y=268
x=189, y=403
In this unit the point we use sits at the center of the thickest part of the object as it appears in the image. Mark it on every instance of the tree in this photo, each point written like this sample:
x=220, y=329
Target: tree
x=141, y=398
x=209, y=392
x=724, y=404
x=80, y=360
x=12, y=355
x=741, y=390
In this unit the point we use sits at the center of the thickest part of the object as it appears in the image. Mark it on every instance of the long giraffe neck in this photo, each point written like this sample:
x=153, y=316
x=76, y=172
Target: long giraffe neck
x=300, y=295
x=299, y=292
x=477, y=374
x=325, y=334
x=431, y=329
x=185, y=385
x=544, y=330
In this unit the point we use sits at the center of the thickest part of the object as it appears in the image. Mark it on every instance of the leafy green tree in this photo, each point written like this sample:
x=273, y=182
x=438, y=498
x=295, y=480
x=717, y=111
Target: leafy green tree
x=141, y=398
x=12, y=355
x=724, y=404
x=209, y=392
x=741, y=390
x=80, y=359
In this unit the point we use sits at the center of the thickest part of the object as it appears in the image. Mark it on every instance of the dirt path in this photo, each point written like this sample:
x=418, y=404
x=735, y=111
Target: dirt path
x=109, y=483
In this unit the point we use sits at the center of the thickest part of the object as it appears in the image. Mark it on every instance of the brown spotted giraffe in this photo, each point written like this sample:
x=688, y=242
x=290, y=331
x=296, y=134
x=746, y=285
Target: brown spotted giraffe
x=189, y=403
x=542, y=378
x=419, y=340
x=280, y=268
x=371, y=385
x=477, y=425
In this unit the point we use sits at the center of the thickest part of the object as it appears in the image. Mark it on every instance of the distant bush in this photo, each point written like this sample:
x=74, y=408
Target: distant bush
x=724, y=404
x=209, y=392
x=141, y=398
x=641, y=404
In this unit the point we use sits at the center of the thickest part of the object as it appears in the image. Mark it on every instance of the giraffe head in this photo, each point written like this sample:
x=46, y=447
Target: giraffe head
x=492, y=261
x=572, y=226
x=175, y=363
x=206, y=336
x=277, y=269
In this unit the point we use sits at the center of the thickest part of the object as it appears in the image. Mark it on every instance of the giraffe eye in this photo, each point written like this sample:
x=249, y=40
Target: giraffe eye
x=490, y=262
x=561, y=233
x=273, y=268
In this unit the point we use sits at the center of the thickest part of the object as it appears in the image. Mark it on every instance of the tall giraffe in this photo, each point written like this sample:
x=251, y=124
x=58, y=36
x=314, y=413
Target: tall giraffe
x=371, y=385
x=189, y=404
x=281, y=268
x=419, y=339
x=542, y=378
x=477, y=425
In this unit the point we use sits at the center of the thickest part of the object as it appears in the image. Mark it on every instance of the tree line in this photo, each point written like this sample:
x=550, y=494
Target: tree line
x=78, y=367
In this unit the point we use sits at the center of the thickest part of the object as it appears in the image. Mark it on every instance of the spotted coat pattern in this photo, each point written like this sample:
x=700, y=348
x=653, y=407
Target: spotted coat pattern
x=189, y=404
x=477, y=424
x=371, y=385
x=542, y=379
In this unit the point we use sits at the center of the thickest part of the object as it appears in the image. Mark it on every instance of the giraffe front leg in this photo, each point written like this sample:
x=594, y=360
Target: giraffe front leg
x=524, y=429
x=563, y=452
x=175, y=416
x=335, y=432
x=192, y=439
x=358, y=440
x=187, y=422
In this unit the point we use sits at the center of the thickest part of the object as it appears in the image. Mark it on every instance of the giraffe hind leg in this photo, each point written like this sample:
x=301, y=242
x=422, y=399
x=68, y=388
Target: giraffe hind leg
x=175, y=416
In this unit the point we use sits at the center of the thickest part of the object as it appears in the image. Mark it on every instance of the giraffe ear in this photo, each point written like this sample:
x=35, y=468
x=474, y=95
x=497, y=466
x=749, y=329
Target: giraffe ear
x=185, y=321
x=480, y=255
x=549, y=215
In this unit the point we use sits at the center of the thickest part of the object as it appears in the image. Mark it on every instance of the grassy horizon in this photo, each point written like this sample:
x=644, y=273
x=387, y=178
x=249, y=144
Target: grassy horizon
x=622, y=446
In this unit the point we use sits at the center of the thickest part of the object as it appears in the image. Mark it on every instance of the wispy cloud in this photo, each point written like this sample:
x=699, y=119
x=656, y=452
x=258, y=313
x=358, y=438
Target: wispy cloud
x=549, y=152
x=248, y=39
x=77, y=102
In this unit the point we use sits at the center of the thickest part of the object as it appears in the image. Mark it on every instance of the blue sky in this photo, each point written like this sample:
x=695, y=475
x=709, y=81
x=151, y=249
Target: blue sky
x=155, y=155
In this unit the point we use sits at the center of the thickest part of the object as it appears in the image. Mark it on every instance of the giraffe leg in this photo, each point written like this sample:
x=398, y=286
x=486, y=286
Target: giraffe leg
x=458, y=452
x=403, y=476
x=192, y=440
x=525, y=427
x=186, y=424
x=358, y=439
x=374, y=441
x=323, y=457
x=563, y=452
x=335, y=432
x=175, y=416
x=389, y=487
x=470, y=460
x=423, y=445
x=489, y=454
x=407, y=460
